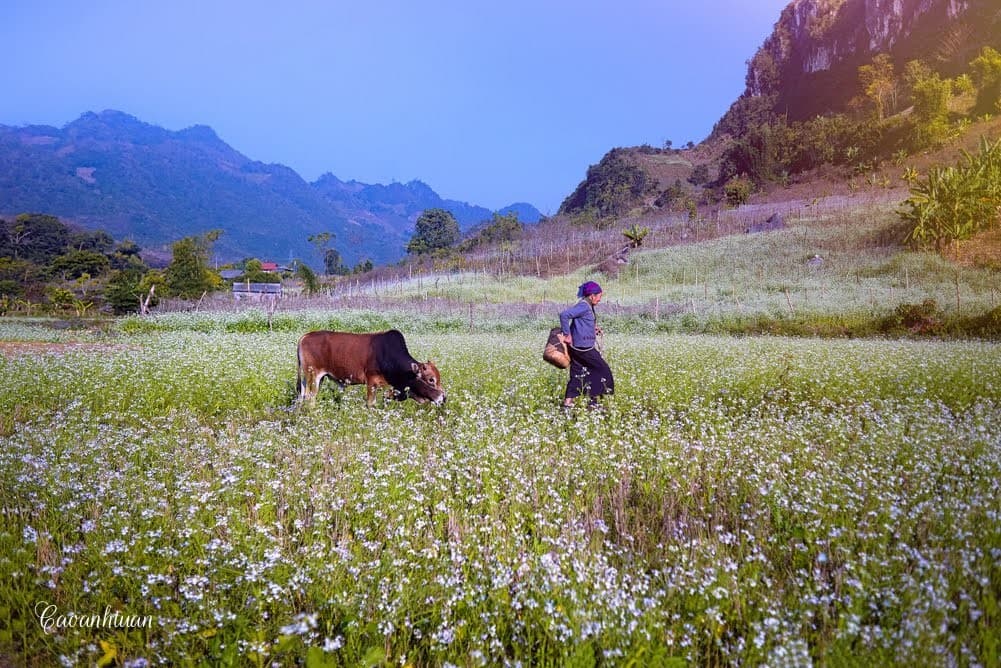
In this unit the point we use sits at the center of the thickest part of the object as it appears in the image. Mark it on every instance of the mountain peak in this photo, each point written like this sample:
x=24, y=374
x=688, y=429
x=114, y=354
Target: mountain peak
x=200, y=133
x=111, y=171
x=112, y=125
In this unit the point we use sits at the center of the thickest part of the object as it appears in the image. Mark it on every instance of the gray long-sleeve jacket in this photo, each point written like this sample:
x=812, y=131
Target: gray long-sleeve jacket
x=579, y=322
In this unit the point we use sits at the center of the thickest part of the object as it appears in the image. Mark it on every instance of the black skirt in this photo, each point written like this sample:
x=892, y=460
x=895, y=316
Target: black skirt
x=589, y=374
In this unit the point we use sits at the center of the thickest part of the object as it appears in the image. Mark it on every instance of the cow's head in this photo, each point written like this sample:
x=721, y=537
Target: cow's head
x=426, y=385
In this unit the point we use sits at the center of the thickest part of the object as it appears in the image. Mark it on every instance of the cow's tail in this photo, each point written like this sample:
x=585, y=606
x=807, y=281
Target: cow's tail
x=299, y=378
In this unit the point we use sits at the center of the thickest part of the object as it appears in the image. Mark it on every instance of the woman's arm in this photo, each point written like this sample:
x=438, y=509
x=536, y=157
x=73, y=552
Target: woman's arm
x=568, y=314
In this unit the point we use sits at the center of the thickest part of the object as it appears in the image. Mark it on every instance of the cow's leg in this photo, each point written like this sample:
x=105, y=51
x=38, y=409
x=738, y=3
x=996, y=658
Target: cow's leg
x=370, y=393
x=310, y=385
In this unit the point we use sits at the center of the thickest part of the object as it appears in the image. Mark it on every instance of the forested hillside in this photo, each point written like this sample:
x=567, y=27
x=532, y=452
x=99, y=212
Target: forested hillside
x=840, y=88
x=134, y=180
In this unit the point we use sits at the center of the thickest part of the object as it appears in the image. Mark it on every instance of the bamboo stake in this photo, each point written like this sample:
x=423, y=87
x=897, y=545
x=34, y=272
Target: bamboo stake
x=957, y=291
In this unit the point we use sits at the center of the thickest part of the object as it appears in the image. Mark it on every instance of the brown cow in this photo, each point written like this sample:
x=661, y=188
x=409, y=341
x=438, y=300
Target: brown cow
x=375, y=359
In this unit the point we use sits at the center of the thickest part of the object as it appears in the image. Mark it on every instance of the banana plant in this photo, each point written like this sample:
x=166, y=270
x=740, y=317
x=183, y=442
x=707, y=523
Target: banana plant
x=635, y=234
x=954, y=203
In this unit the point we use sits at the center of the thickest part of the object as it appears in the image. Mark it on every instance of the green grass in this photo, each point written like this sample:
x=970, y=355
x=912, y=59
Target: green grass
x=741, y=501
x=753, y=283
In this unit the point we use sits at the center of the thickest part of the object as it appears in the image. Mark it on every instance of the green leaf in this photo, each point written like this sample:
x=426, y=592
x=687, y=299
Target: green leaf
x=110, y=654
x=317, y=658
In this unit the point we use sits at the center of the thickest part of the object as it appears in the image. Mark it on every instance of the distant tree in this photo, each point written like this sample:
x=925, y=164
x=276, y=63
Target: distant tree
x=333, y=265
x=363, y=267
x=123, y=291
x=915, y=71
x=963, y=85
x=737, y=191
x=879, y=84
x=16, y=275
x=153, y=284
x=59, y=297
x=76, y=263
x=98, y=241
x=322, y=242
x=691, y=208
x=931, y=110
x=188, y=275
x=987, y=78
x=9, y=288
x=436, y=229
x=310, y=283
x=128, y=247
x=753, y=155
x=22, y=272
x=38, y=237
x=6, y=247
x=126, y=254
x=820, y=140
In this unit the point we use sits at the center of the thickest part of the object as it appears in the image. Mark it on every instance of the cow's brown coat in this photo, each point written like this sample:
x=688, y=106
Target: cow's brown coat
x=373, y=359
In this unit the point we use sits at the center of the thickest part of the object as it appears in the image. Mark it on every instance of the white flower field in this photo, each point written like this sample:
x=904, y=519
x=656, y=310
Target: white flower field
x=740, y=501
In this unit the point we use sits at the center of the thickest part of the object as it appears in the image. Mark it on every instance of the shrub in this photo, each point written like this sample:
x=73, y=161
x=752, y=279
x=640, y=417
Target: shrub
x=737, y=191
x=923, y=318
x=988, y=325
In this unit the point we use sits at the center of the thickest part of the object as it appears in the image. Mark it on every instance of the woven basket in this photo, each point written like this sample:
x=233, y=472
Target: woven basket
x=555, y=351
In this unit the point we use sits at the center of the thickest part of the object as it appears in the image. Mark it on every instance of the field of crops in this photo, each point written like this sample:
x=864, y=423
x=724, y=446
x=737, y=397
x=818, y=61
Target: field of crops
x=741, y=501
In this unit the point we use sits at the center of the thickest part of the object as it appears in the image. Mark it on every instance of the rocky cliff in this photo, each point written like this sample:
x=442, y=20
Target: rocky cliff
x=809, y=64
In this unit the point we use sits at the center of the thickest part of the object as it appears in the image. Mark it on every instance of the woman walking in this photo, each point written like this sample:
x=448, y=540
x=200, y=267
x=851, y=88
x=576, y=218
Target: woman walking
x=589, y=372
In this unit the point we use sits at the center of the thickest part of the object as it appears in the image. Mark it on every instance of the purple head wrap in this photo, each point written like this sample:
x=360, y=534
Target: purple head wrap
x=587, y=289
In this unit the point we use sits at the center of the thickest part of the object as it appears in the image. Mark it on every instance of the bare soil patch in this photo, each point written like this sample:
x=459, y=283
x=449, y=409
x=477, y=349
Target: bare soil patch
x=981, y=250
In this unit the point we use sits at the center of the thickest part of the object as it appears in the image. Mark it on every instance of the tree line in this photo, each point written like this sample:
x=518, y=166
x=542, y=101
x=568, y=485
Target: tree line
x=48, y=266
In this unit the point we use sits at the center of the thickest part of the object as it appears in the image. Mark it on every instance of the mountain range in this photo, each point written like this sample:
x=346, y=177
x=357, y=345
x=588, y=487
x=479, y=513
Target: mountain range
x=112, y=171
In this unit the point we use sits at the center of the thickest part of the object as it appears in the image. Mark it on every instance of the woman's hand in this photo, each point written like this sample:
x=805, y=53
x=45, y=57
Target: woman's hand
x=566, y=338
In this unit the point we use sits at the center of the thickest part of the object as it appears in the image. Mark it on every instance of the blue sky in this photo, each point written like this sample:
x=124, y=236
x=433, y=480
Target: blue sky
x=488, y=103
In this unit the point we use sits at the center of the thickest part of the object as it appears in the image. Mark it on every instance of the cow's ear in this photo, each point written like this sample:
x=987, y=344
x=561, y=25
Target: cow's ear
x=415, y=367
